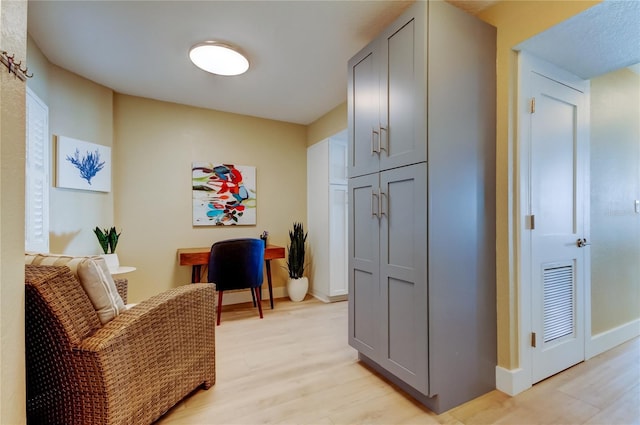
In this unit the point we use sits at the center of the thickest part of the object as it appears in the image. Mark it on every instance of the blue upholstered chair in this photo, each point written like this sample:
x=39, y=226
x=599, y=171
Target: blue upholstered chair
x=237, y=264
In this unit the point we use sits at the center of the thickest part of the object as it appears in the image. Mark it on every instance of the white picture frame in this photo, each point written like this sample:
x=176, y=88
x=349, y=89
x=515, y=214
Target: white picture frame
x=82, y=165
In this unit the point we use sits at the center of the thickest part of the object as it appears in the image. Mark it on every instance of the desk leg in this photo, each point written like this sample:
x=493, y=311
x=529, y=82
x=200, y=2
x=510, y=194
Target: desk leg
x=268, y=262
x=195, y=273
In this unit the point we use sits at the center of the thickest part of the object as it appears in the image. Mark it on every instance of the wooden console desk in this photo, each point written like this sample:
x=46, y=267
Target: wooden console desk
x=198, y=257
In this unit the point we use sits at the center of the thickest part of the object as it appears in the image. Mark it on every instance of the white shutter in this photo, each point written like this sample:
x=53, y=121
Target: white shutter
x=37, y=175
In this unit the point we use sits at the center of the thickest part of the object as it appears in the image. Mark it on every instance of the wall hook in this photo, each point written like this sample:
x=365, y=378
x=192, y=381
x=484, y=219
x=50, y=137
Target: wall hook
x=14, y=67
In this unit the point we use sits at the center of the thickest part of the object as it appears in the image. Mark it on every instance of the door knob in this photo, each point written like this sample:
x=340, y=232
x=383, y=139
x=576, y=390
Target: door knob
x=582, y=242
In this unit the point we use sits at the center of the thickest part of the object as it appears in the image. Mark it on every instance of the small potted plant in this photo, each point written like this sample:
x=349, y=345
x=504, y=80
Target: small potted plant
x=108, y=239
x=297, y=285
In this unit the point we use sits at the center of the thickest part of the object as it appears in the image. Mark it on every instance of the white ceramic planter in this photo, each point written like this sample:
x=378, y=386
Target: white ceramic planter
x=297, y=288
x=113, y=263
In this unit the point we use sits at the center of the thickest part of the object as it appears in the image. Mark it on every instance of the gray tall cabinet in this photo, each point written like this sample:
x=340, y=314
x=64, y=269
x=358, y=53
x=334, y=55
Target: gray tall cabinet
x=421, y=187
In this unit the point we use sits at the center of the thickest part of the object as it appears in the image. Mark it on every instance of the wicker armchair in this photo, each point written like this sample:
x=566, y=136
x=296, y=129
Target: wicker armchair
x=129, y=371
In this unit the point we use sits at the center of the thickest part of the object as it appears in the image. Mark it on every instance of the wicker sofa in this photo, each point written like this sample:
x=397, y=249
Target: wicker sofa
x=130, y=370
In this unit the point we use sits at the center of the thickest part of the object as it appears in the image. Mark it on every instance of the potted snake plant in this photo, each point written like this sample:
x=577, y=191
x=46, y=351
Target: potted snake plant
x=108, y=240
x=298, y=284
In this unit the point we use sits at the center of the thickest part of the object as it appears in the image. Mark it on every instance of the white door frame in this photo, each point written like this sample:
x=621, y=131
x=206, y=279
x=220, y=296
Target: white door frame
x=516, y=381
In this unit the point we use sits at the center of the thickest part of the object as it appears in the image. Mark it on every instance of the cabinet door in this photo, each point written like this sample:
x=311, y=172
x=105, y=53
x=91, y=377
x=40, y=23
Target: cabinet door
x=387, y=97
x=338, y=240
x=338, y=158
x=317, y=218
x=403, y=274
x=364, y=276
x=363, y=100
x=403, y=96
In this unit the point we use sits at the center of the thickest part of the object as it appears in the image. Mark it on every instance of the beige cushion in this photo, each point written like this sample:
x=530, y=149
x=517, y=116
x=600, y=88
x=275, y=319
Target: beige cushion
x=57, y=260
x=99, y=285
x=29, y=257
x=95, y=278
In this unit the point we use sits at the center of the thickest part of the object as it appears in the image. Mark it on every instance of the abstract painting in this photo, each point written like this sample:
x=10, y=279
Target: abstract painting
x=223, y=194
x=83, y=165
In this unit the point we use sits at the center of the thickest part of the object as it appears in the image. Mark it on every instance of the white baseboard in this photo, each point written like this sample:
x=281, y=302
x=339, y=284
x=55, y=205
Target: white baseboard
x=331, y=299
x=609, y=339
x=320, y=297
x=512, y=381
x=515, y=381
x=239, y=297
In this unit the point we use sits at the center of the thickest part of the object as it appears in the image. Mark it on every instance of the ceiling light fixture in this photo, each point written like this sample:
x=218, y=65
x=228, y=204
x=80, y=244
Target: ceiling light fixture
x=218, y=58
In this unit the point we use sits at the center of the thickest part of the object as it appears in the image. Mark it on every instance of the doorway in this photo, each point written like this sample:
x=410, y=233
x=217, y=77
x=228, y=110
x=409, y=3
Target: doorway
x=554, y=166
x=575, y=46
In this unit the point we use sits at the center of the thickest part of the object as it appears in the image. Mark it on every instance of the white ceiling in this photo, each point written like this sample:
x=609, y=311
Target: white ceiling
x=599, y=40
x=298, y=50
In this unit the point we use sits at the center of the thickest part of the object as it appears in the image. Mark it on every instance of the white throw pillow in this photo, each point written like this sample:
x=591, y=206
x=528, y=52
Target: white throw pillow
x=101, y=289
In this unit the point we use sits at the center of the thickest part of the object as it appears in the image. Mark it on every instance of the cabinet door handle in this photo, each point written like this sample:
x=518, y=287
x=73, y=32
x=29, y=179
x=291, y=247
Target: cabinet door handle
x=374, y=208
x=383, y=211
x=380, y=146
x=373, y=136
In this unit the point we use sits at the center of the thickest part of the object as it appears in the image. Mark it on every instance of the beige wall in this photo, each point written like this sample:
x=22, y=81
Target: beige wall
x=80, y=109
x=13, y=24
x=155, y=144
x=327, y=125
x=615, y=184
x=516, y=21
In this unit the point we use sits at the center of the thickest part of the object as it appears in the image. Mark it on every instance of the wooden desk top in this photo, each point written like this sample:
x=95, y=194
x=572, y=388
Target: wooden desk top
x=200, y=256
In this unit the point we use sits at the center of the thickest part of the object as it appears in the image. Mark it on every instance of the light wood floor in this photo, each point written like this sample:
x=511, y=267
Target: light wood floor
x=295, y=367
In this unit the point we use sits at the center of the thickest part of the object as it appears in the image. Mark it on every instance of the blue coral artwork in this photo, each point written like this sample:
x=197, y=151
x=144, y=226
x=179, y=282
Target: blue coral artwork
x=223, y=194
x=83, y=165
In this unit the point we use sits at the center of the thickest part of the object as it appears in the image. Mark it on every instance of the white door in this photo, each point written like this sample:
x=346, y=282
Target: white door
x=559, y=246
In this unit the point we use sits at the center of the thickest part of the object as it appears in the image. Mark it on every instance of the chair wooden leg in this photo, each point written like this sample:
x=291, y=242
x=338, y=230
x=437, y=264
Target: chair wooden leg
x=257, y=291
x=253, y=297
x=219, y=307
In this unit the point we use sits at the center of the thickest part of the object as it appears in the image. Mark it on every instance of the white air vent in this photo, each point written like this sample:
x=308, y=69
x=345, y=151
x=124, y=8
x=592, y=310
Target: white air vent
x=558, y=305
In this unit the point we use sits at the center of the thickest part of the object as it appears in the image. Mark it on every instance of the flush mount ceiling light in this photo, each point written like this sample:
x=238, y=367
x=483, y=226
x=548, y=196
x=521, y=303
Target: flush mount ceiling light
x=218, y=58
